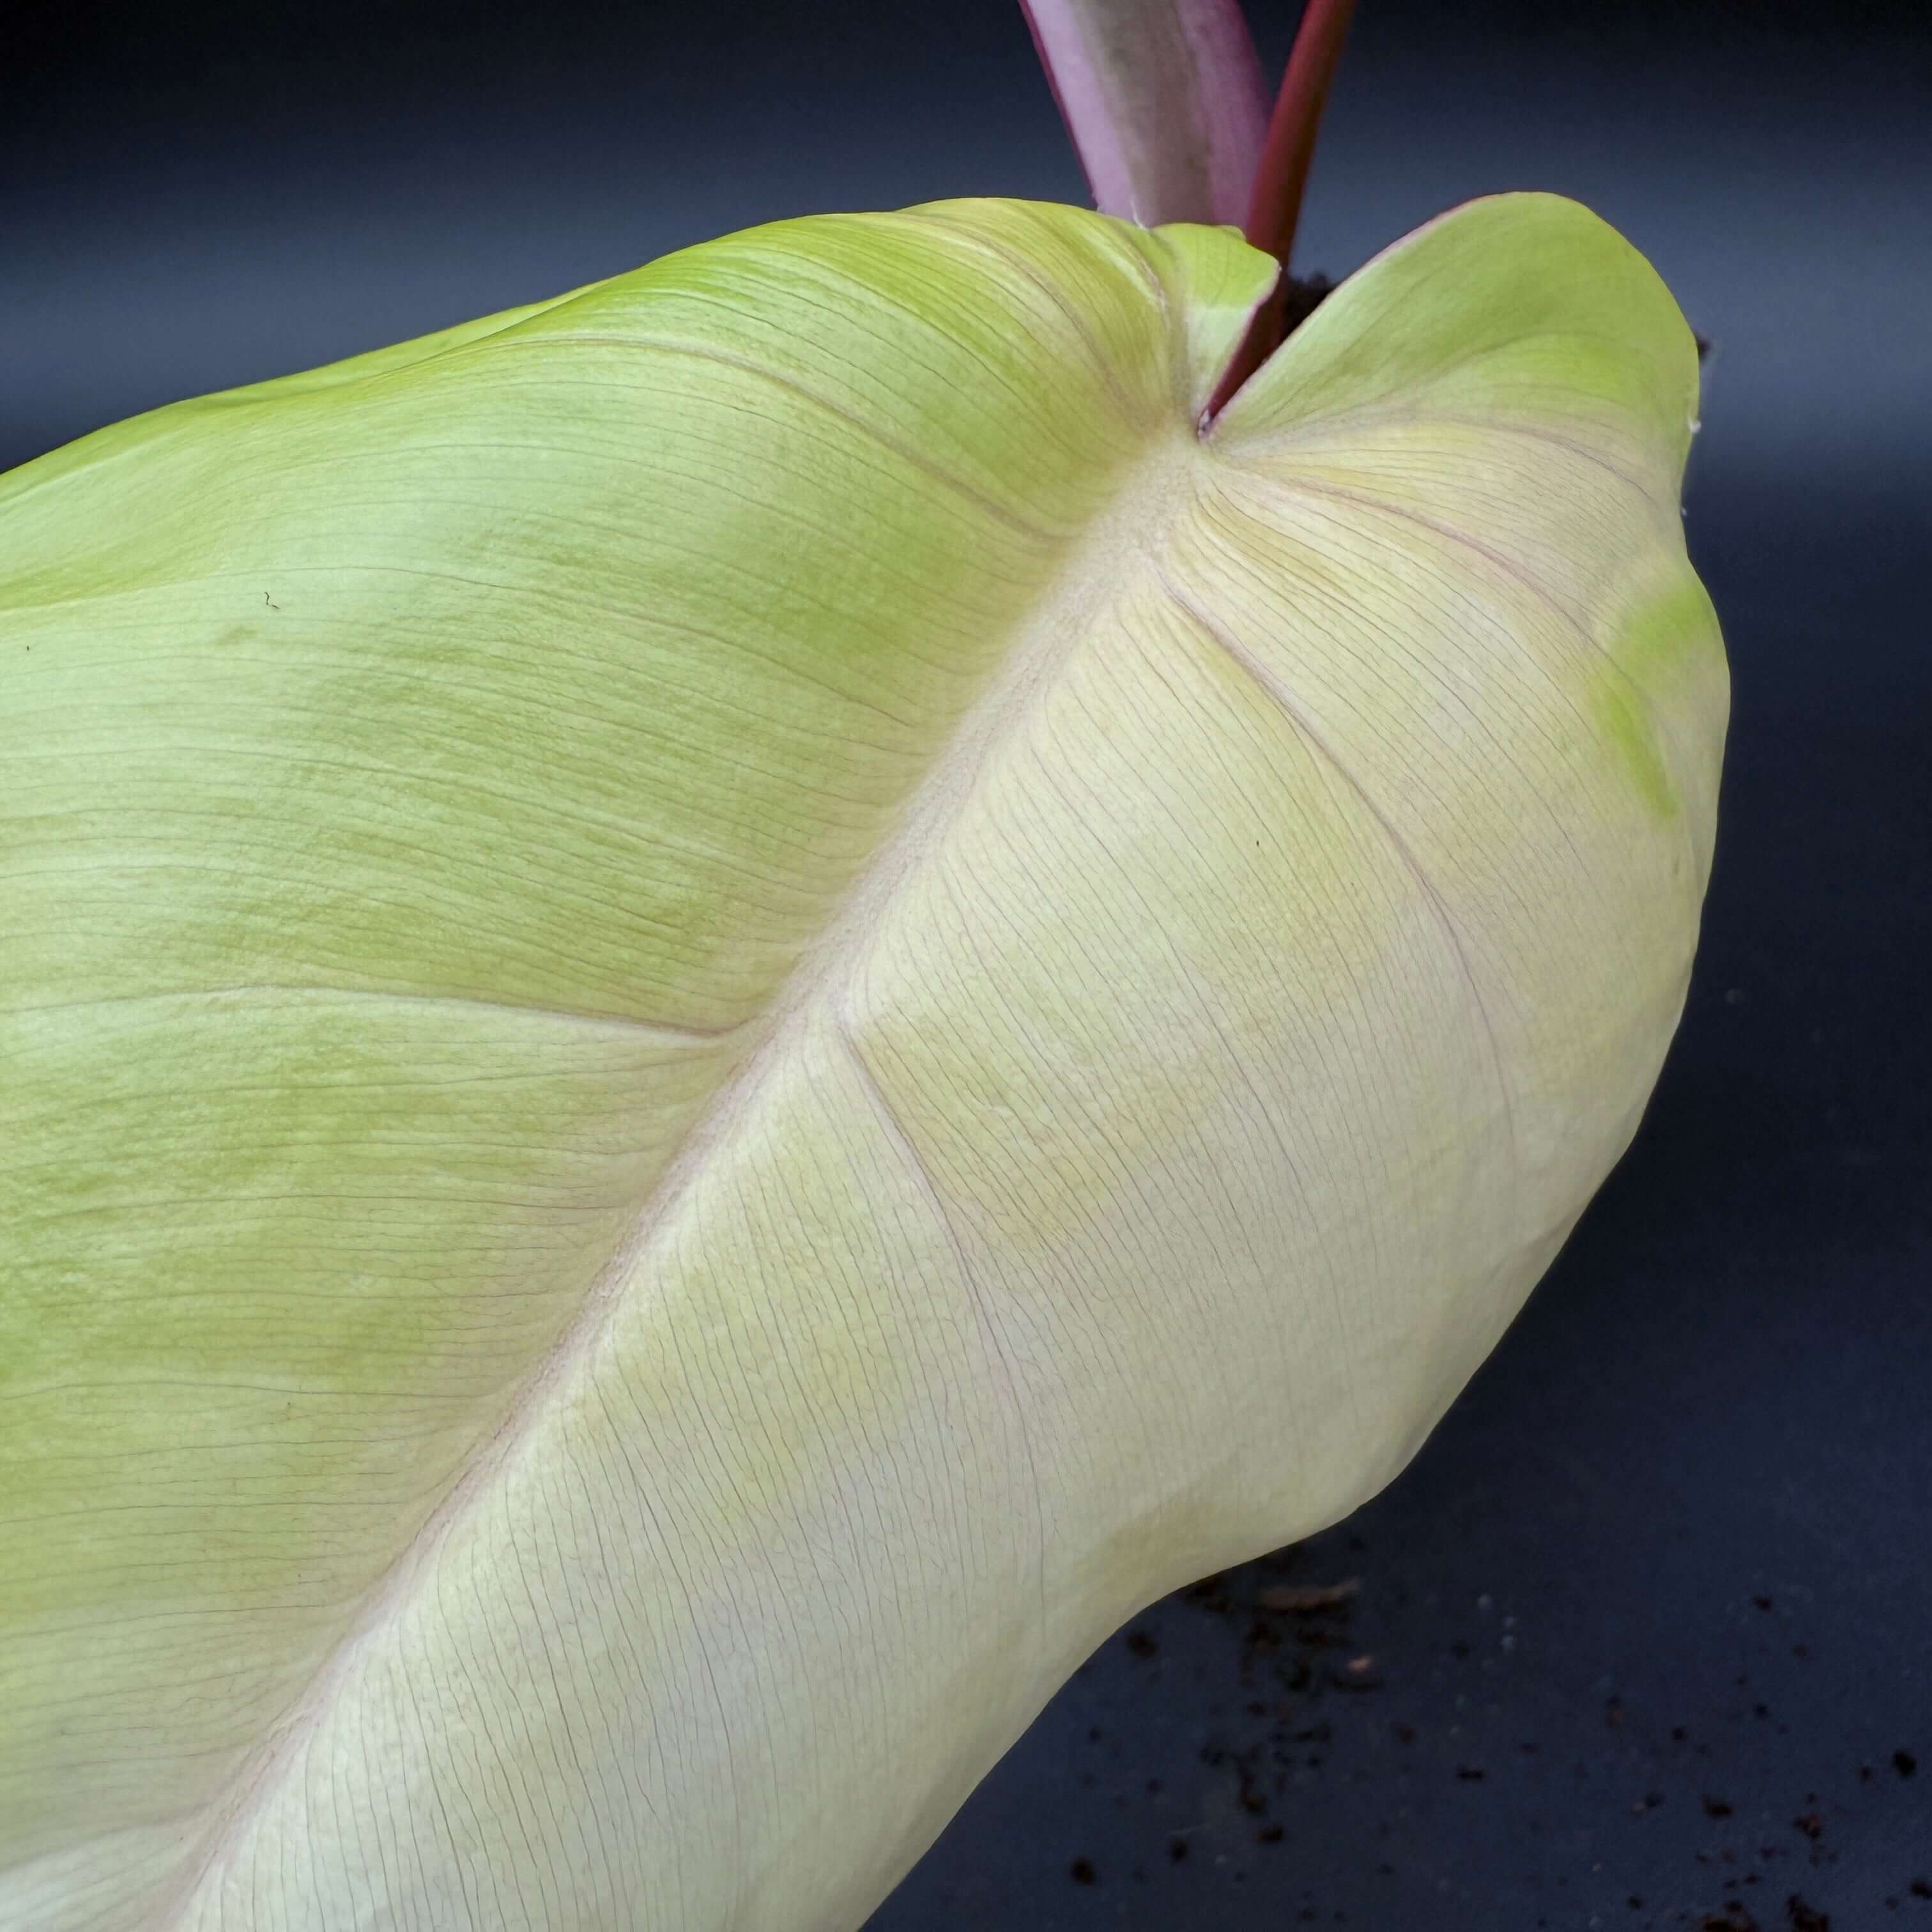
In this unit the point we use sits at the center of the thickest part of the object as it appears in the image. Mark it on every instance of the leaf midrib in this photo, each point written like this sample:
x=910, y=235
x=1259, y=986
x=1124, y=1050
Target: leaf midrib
x=1151, y=495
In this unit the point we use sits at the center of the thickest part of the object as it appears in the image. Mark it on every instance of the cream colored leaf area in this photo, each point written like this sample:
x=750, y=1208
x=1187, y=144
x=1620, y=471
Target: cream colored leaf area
x=729, y=1006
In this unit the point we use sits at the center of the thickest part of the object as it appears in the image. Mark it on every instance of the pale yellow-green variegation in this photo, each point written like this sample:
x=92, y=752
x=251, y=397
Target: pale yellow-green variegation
x=731, y=1005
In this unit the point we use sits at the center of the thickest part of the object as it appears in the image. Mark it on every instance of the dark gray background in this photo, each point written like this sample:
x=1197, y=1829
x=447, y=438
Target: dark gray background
x=1650, y=1621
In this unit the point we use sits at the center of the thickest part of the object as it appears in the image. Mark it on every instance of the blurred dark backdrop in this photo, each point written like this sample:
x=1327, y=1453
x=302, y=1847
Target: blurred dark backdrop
x=1649, y=1625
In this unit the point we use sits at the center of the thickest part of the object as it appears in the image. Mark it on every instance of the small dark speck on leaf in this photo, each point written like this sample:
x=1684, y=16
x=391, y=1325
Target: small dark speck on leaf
x=1805, y=1918
x=1921, y=1888
x=1904, y=1763
x=1469, y=1773
x=1762, y=1602
x=1715, y=1808
x=1081, y=1871
x=1810, y=1824
x=1177, y=1850
x=1139, y=1644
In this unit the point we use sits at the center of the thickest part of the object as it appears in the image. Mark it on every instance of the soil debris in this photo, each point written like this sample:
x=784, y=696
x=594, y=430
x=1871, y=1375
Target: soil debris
x=1301, y=1598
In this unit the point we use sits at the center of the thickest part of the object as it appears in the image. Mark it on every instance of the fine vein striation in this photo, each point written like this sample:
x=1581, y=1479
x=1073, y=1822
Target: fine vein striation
x=733, y=1004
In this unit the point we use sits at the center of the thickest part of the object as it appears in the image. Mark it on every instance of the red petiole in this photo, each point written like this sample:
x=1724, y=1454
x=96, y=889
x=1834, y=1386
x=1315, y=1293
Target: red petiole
x=1274, y=210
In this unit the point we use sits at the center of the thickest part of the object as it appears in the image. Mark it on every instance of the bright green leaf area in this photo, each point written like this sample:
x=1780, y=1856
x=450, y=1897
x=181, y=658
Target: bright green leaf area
x=728, y=1006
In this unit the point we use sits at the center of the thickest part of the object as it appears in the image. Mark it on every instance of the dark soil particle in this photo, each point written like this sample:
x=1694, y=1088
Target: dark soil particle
x=1304, y=1598
x=1296, y=1644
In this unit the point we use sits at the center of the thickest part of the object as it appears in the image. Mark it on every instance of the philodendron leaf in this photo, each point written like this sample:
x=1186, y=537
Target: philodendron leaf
x=733, y=1005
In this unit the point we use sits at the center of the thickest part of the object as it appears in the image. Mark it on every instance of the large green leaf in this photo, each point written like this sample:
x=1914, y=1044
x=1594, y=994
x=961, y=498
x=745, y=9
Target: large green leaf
x=732, y=1005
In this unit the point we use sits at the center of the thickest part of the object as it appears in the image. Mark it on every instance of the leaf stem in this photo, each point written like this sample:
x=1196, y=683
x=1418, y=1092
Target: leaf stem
x=1164, y=99
x=1274, y=210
